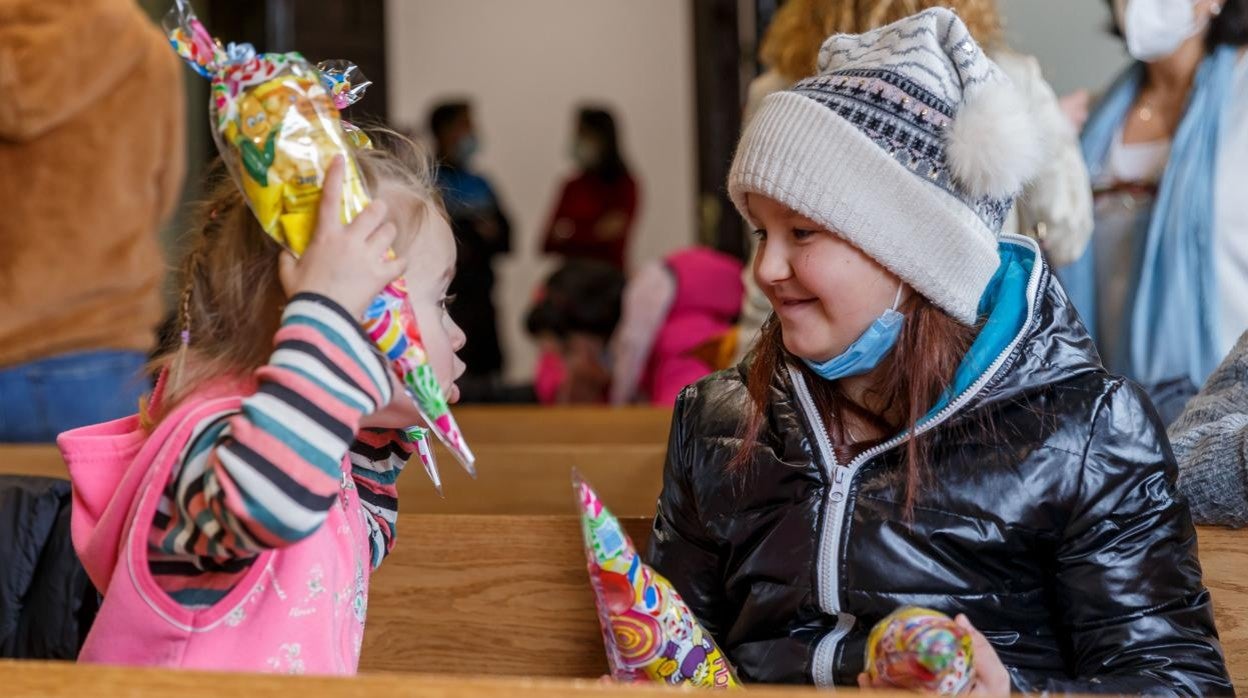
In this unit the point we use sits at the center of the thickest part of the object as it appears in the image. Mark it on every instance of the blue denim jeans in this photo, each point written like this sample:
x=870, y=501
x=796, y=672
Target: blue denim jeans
x=43, y=398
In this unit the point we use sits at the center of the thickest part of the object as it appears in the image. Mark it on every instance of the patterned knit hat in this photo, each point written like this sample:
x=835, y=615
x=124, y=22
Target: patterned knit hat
x=910, y=143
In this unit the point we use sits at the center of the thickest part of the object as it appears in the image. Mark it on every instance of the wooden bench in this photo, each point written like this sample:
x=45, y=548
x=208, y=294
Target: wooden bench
x=487, y=595
x=514, y=425
x=465, y=562
x=528, y=479
x=457, y=587
x=65, y=680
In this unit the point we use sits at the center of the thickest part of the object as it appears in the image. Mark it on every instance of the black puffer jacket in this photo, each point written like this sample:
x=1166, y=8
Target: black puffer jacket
x=1057, y=530
x=46, y=601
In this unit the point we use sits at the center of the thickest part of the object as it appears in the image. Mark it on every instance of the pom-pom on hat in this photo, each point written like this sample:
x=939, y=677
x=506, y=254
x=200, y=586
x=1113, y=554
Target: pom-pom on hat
x=910, y=143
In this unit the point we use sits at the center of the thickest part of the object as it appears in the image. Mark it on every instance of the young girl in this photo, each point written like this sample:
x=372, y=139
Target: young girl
x=924, y=420
x=234, y=524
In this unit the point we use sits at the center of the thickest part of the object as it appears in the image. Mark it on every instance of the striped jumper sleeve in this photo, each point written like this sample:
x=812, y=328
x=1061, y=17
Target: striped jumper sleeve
x=377, y=459
x=266, y=475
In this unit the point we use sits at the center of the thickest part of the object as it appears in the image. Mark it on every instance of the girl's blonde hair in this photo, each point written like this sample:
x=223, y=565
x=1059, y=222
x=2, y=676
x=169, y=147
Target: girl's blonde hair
x=799, y=27
x=232, y=298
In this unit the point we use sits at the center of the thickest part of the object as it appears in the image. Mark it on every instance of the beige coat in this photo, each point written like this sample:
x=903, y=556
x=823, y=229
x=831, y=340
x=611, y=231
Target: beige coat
x=91, y=164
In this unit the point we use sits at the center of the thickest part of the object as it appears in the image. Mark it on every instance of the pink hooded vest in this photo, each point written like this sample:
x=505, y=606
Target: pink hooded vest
x=298, y=610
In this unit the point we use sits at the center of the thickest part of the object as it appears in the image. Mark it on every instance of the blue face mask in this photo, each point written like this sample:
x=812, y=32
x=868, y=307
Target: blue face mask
x=465, y=149
x=867, y=351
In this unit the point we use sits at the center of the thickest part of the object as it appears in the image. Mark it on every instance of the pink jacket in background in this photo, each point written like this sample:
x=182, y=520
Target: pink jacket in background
x=670, y=309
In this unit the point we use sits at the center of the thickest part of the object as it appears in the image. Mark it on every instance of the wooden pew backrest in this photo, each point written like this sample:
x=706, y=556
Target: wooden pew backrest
x=433, y=549
x=537, y=480
x=527, y=479
x=573, y=425
x=32, y=459
x=510, y=595
x=487, y=595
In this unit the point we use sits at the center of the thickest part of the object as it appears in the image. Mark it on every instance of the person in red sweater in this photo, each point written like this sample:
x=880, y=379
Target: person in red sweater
x=597, y=206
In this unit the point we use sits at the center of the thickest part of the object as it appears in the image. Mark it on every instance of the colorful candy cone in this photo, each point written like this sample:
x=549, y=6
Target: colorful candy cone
x=649, y=632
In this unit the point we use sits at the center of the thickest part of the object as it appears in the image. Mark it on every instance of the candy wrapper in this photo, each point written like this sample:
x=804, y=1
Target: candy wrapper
x=649, y=632
x=277, y=126
x=922, y=650
x=346, y=85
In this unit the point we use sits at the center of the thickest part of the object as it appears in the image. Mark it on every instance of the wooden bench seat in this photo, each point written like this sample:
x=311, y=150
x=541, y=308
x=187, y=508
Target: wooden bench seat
x=66, y=680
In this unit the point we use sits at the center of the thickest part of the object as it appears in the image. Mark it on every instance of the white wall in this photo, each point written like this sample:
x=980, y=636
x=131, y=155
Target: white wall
x=1069, y=38
x=526, y=64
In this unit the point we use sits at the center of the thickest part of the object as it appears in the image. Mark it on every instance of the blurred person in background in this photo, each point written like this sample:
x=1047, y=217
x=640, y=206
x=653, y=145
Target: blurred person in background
x=642, y=341
x=594, y=214
x=1163, y=288
x=91, y=165
x=1055, y=209
x=572, y=318
x=672, y=311
x=483, y=231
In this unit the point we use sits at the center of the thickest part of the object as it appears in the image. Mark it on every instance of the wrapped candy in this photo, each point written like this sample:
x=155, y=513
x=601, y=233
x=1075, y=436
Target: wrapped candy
x=649, y=632
x=920, y=649
x=277, y=126
x=346, y=84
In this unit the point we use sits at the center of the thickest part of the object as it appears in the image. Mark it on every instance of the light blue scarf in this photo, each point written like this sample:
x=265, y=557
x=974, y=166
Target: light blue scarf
x=1173, y=329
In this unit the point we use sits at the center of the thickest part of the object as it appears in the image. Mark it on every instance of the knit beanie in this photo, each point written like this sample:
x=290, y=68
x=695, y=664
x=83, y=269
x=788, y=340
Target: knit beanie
x=910, y=144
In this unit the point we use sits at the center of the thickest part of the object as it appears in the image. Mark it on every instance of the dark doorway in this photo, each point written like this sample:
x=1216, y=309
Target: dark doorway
x=319, y=29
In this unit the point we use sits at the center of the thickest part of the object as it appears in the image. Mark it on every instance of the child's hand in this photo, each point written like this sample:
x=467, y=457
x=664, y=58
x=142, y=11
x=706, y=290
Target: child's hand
x=991, y=678
x=345, y=263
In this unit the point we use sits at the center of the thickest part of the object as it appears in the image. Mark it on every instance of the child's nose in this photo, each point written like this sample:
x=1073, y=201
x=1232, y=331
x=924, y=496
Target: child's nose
x=458, y=338
x=771, y=264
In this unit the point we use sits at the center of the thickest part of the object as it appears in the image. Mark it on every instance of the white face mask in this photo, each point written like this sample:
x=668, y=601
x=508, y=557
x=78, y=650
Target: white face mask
x=1156, y=28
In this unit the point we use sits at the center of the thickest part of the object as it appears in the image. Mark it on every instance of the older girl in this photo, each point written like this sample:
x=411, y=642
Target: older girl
x=924, y=421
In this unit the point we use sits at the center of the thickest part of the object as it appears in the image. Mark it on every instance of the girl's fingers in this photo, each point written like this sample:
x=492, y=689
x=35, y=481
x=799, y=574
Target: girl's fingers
x=979, y=643
x=331, y=191
x=976, y=636
x=371, y=218
x=392, y=269
x=382, y=238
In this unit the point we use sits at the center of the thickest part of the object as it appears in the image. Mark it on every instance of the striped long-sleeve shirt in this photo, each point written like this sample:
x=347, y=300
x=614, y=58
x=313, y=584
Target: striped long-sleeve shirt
x=265, y=476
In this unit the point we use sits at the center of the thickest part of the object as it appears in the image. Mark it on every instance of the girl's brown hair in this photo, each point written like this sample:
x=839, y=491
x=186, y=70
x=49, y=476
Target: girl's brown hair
x=799, y=27
x=910, y=380
x=232, y=298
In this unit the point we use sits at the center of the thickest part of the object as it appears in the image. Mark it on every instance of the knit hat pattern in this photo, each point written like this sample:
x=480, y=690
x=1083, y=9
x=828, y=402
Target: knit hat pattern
x=909, y=143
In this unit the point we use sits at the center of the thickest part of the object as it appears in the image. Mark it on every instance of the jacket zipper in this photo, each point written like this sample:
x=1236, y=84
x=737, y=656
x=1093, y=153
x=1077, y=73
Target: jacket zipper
x=841, y=479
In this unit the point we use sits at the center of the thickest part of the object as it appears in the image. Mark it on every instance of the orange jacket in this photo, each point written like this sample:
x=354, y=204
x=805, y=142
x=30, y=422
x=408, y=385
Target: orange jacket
x=91, y=164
